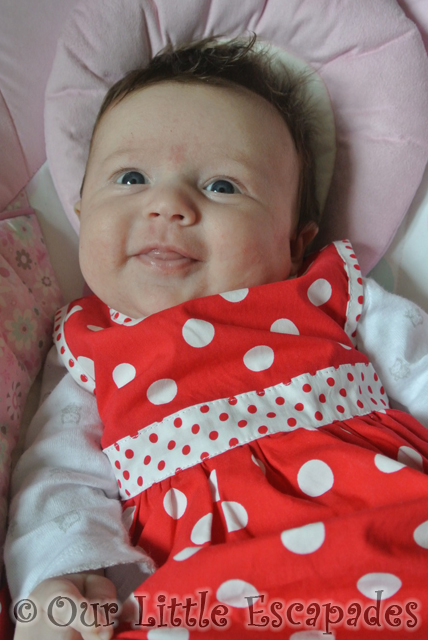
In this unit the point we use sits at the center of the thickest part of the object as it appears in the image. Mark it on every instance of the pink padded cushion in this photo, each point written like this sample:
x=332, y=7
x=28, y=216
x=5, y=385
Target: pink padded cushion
x=369, y=55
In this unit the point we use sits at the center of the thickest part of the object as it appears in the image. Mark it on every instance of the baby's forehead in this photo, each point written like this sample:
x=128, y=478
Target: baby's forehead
x=195, y=86
x=235, y=99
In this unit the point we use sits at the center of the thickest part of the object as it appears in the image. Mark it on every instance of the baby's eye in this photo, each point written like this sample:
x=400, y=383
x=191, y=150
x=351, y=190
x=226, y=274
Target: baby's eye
x=222, y=186
x=131, y=177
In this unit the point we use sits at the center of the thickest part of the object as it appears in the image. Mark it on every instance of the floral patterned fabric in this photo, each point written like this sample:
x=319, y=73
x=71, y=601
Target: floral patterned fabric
x=29, y=296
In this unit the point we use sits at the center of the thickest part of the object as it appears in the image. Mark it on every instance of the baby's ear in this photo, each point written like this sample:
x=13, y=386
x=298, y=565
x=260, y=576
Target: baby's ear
x=77, y=207
x=299, y=244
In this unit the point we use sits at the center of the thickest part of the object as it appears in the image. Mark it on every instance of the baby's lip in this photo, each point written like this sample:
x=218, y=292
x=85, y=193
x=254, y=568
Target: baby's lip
x=165, y=252
x=167, y=259
x=162, y=253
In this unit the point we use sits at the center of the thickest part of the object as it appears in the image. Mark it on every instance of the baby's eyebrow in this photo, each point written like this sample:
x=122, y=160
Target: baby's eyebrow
x=118, y=155
x=244, y=160
x=129, y=150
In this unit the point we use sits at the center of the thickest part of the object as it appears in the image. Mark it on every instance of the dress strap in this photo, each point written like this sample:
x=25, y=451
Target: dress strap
x=355, y=287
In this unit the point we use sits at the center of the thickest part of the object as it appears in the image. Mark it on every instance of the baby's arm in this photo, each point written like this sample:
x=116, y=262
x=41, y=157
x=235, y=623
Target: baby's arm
x=65, y=516
x=56, y=622
x=393, y=333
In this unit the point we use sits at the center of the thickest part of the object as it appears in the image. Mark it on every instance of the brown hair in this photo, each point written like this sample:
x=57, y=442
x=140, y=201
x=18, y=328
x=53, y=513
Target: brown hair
x=230, y=64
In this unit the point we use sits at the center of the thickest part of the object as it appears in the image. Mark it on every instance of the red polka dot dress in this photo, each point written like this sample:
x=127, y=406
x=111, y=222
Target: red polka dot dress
x=259, y=462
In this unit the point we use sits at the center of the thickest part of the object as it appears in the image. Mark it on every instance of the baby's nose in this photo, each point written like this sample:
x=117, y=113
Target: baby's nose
x=174, y=204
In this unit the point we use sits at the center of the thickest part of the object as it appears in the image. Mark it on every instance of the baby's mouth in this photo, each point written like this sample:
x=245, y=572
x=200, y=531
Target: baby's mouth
x=165, y=254
x=166, y=259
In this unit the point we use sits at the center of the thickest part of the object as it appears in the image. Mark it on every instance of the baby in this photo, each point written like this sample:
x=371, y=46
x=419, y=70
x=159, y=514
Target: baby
x=252, y=443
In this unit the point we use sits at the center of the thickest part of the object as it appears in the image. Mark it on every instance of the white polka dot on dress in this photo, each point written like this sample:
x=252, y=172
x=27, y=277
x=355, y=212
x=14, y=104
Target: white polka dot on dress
x=283, y=325
x=235, y=515
x=201, y=532
x=186, y=553
x=259, y=358
x=162, y=391
x=123, y=374
x=236, y=592
x=320, y=292
x=168, y=634
x=306, y=539
x=315, y=478
x=411, y=458
x=235, y=296
x=387, y=465
x=259, y=463
x=214, y=486
x=420, y=535
x=379, y=585
x=175, y=503
x=198, y=333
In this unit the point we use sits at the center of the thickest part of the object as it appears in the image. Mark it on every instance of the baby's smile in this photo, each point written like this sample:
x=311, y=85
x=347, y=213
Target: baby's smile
x=167, y=259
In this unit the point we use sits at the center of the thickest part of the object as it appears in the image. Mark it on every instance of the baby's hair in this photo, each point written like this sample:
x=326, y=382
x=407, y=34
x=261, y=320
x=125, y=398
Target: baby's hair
x=231, y=64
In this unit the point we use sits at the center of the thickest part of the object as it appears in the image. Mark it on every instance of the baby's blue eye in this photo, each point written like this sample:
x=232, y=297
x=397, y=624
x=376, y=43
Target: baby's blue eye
x=222, y=186
x=131, y=177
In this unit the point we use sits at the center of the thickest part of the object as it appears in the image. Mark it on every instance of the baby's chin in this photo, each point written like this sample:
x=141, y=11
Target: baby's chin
x=157, y=304
x=150, y=307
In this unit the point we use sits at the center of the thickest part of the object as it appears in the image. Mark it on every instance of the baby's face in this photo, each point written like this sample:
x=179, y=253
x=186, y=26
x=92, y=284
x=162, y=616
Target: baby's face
x=190, y=190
